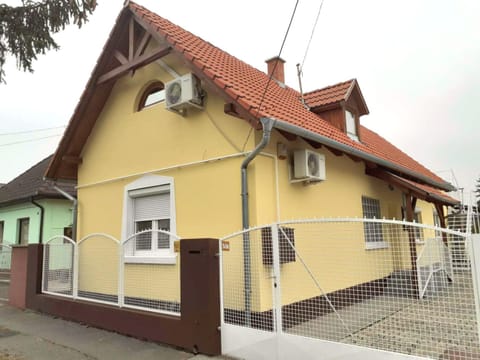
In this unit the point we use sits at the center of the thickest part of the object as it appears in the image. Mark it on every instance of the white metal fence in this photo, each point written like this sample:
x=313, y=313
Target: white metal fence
x=321, y=280
x=99, y=268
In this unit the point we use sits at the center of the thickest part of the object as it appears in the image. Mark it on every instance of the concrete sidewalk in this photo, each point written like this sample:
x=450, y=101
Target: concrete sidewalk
x=26, y=335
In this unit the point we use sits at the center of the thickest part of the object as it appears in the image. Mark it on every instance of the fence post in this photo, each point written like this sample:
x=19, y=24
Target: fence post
x=277, y=289
x=75, y=270
x=121, y=272
x=475, y=266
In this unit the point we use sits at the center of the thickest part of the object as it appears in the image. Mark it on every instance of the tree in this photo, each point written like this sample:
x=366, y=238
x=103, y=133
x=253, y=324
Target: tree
x=26, y=30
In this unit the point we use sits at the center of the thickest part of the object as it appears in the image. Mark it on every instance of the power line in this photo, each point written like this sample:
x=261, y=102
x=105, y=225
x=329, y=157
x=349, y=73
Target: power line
x=32, y=131
x=273, y=71
x=30, y=140
x=311, y=35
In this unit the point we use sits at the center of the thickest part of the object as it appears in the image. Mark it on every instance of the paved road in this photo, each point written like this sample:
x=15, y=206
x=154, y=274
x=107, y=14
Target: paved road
x=26, y=335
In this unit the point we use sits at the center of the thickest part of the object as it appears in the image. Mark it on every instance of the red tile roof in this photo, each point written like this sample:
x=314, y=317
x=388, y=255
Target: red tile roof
x=329, y=95
x=246, y=85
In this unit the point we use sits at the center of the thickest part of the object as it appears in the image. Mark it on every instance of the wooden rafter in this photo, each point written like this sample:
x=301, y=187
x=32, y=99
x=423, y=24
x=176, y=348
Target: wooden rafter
x=136, y=56
x=120, y=57
x=405, y=186
x=131, y=39
x=142, y=44
x=136, y=63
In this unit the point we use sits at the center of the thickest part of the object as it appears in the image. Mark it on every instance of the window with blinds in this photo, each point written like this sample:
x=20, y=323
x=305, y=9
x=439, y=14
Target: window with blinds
x=151, y=213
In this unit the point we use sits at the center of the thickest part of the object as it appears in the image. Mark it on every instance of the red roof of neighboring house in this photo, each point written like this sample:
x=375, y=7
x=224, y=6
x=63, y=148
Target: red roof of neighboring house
x=246, y=87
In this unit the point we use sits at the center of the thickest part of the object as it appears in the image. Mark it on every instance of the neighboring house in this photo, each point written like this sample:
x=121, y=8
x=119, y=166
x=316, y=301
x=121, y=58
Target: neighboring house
x=31, y=210
x=159, y=137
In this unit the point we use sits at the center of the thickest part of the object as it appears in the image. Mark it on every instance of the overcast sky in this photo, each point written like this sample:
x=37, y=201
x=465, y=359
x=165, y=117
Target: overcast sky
x=417, y=63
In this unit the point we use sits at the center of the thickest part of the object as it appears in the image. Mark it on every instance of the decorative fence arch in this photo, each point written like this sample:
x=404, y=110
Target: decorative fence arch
x=100, y=268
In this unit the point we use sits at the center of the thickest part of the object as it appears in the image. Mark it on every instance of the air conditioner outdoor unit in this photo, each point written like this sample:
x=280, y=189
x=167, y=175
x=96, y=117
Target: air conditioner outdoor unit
x=308, y=165
x=182, y=93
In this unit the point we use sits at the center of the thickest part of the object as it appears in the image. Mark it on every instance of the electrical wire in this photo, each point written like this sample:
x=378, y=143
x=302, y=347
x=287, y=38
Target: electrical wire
x=32, y=131
x=273, y=71
x=311, y=35
x=29, y=140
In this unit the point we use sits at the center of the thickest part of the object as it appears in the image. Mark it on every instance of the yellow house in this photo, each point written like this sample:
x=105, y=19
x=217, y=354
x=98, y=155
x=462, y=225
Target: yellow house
x=174, y=134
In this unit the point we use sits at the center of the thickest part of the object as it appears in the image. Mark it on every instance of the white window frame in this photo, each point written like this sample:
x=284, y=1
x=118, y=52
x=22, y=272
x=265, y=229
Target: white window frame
x=148, y=185
x=372, y=245
x=351, y=125
x=418, y=231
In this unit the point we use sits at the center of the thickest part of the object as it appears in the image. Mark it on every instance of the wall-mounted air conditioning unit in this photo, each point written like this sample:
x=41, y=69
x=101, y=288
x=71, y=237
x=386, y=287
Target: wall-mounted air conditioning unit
x=308, y=166
x=182, y=93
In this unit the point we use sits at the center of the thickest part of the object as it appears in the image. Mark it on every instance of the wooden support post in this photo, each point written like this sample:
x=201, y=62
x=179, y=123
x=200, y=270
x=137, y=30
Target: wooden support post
x=443, y=224
x=409, y=207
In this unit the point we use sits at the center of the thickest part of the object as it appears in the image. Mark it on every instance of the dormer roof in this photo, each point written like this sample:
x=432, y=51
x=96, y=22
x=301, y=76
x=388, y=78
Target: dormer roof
x=334, y=95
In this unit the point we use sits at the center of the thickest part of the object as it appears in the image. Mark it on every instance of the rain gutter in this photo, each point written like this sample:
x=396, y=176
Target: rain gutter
x=42, y=212
x=297, y=130
x=267, y=125
x=75, y=210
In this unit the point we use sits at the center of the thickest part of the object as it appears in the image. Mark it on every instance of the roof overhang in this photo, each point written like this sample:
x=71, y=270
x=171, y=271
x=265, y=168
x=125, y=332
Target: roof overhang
x=417, y=190
x=400, y=170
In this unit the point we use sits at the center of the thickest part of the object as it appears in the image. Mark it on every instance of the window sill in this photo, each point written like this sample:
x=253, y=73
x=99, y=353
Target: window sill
x=419, y=242
x=376, y=245
x=170, y=259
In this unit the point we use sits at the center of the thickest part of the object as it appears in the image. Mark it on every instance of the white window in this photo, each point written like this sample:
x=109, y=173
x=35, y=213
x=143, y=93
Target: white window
x=417, y=217
x=373, y=231
x=351, y=126
x=149, y=209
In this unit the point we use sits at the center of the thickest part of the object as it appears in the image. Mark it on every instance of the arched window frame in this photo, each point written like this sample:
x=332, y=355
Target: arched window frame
x=151, y=89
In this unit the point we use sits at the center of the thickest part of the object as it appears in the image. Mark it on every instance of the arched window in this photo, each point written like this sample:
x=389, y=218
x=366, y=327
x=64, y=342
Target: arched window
x=153, y=94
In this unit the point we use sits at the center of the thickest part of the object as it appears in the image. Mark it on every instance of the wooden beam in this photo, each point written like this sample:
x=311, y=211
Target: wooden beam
x=133, y=65
x=354, y=158
x=443, y=223
x=409, y=203
x=335, y=151
x=314, y=144
x=120, y=57
x=287, y=135
x=143, y=44
x=131, y=39
x=71, y=159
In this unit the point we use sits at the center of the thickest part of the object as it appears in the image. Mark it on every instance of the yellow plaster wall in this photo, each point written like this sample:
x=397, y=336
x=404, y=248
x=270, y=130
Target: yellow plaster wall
x=335, y=254
x=125, y=143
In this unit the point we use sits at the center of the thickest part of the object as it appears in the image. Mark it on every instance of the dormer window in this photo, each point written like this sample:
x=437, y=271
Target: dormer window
x=351, y=125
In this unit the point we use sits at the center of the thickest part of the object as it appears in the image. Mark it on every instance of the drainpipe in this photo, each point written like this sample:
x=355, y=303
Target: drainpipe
x=42, y=212
x=75, y=210
x=267, y=125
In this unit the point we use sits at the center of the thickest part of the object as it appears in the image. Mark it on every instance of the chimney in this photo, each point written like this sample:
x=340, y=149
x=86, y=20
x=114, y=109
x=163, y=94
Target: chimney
x=275, y=68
